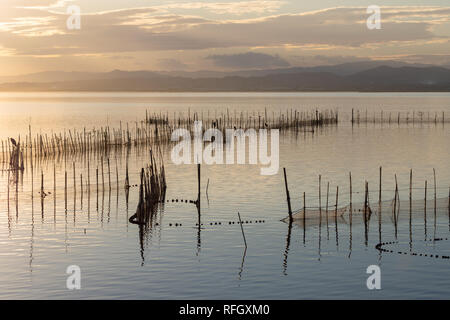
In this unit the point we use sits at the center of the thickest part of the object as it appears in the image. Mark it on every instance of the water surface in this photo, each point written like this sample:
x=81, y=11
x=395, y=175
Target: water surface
x=179, y=262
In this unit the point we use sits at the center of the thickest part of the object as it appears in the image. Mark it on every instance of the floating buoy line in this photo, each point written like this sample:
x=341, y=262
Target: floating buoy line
x=218, y=223
x=182, y=201
x=380, y=248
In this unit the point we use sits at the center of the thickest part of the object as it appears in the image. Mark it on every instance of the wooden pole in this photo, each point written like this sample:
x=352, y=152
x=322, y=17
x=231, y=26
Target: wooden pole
x=96, y=175
x=109, y=175
x=9, y=173
x=42, y=194
x=395, y=204
x=304, y=217
x=351, y=190
x=54, y=186
x=379, y=192
x=351, y=199
x=74, y=184
x=425, y=210
x=320, y=194
x=287, y=194
x=337, y=196
x=89, y=179
x=65, y=190
x=435, y=199
x=242, y=228
x=410, y=187
x=304, y=208
x=365, y=201
x=103, y=176
x=198, y=178
x=127, y=180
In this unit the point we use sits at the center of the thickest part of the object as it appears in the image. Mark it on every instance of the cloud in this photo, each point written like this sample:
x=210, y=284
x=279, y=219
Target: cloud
x=144, y=29
x=160, y=29
x=237, y=8
x=5, y=52
x=20, y=25
x=44, y=5
x=320, y=60
x=436, y=59
x=248, y=60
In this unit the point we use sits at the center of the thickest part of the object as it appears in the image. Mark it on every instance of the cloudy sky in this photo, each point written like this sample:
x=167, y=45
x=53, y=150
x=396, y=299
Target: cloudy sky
x=217, y=35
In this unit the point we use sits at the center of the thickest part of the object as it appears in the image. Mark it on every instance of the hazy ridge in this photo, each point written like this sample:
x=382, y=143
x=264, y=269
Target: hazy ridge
x=358, y=76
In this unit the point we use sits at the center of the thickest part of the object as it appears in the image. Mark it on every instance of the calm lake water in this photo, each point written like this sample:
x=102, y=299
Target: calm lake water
x=320, y=260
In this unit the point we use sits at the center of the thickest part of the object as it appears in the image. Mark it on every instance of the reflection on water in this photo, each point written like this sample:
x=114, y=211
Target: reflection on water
x=188, y=251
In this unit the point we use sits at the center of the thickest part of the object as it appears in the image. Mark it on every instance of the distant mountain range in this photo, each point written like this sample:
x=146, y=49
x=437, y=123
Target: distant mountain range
x=357, y=76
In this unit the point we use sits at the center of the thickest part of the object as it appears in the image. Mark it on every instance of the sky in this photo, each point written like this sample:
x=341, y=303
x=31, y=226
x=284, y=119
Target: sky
x=220, y=35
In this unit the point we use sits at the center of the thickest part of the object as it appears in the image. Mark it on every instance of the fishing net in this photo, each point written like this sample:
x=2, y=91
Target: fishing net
x=403, y=210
